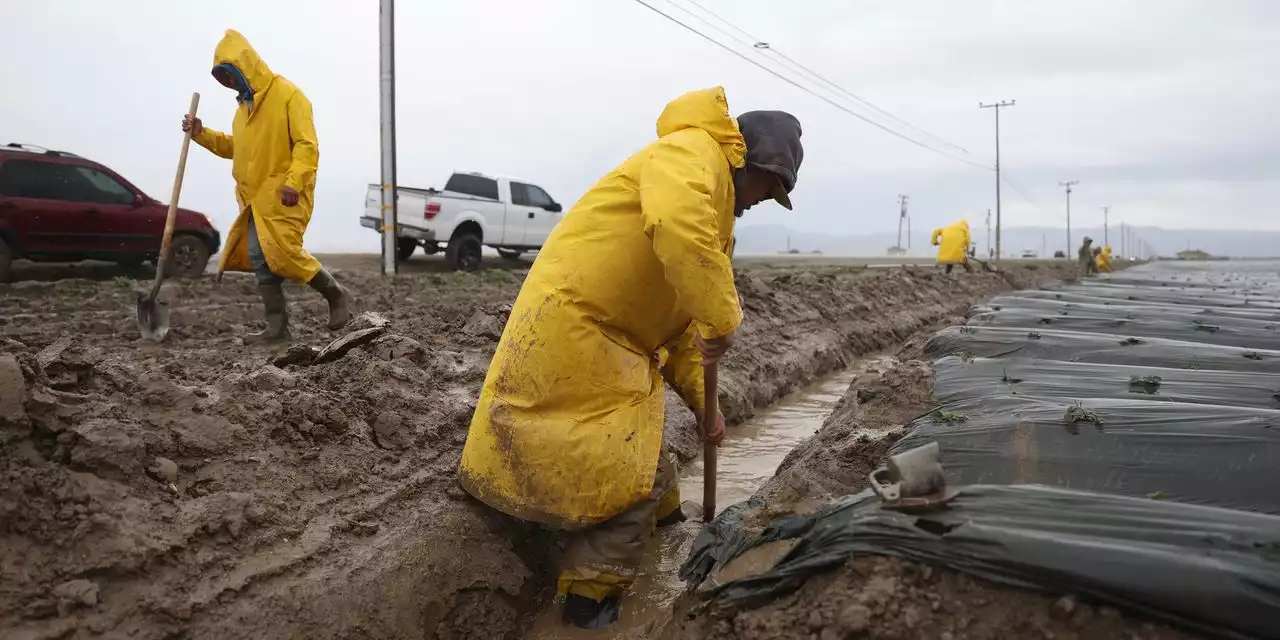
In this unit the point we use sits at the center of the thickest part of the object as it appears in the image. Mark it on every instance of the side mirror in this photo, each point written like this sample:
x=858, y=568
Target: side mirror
x=555, y=207
x=139, y=200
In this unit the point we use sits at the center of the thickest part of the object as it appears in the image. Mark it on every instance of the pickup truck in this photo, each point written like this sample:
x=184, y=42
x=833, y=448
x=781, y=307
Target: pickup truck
x=472, y=211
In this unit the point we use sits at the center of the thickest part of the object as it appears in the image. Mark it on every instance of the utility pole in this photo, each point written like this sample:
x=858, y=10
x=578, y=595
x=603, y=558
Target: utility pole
x=902, y=215
x=1123, y=237
x=989, y=254
x=997, y=106
x=387, y=115
x=1044, y=245
x=1068, y=184
x=1106, y=211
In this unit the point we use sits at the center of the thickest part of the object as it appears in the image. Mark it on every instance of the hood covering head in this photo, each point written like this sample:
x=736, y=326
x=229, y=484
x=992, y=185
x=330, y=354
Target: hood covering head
x=234, y=50
x=708, y=110
x=1088, y=240
x=773, y=144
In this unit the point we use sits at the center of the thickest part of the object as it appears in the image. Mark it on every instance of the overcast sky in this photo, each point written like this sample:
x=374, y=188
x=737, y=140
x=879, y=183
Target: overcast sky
x=1162, y=109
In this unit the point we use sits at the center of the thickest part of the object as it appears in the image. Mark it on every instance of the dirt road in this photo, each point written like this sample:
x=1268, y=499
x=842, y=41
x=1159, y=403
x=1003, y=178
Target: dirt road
x=195, y=489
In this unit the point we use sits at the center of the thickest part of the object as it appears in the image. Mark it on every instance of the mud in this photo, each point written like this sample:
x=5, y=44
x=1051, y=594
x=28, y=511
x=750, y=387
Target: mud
x=196, y=489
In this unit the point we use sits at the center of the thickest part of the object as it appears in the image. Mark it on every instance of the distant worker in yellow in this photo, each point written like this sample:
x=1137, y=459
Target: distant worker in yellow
x=953, y=245
x=274, y=156
x=1103, y=260
x=633, y=287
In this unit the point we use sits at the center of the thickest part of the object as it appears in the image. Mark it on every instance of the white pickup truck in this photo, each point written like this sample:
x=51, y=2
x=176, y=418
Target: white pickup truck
x=472, y=211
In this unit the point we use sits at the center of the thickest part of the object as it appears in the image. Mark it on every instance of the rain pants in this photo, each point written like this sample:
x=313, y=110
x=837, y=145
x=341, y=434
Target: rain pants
x=272, y=143
x=1104, y=260
x=568, y=427
x=952, y=242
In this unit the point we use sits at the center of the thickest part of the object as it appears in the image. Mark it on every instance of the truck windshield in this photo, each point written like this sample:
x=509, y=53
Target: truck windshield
x=478, y=186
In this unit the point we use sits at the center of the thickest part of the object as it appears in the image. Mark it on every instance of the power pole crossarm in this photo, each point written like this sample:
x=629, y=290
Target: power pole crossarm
x=996, y=106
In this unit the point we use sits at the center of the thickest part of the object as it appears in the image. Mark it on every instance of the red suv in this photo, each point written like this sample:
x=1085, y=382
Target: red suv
x=58, y=207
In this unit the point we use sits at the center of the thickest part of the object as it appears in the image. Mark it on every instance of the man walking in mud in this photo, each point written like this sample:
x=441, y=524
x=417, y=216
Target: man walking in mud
x=633, y=287
x=1088, y=266
x=274, y=157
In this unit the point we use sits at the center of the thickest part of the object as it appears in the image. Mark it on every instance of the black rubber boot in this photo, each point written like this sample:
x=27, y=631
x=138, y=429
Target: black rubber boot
x=336, y=295
x=585, y=613
x=276, y=310
x=676, y=516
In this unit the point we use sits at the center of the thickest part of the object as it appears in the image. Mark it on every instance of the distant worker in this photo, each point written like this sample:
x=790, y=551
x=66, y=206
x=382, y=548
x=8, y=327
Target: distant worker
x=952, y=242
x=1104, y=260
x=634, y=286
x=1087, y=265
x=274, y=156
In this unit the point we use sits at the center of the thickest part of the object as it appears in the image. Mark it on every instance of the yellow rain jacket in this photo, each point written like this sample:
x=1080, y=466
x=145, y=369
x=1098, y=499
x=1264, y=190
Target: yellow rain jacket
x=272, y=143
x=955, y=243
x=568, y=427
x=1104, y=260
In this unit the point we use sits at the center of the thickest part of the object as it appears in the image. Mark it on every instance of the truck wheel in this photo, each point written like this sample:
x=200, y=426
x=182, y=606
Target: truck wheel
x=404, y=248
x=510, y=254
x=189, y=257
x=6, y=260
x=463, y=253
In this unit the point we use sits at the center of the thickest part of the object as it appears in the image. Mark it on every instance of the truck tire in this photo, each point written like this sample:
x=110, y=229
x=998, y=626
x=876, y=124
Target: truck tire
x=6, y=261
x=189, y=257
x=404, y=248
x=510, y=254
x=463, y=253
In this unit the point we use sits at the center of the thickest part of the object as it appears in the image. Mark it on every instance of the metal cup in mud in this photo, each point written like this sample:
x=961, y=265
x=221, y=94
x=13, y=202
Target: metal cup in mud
x=911, y=474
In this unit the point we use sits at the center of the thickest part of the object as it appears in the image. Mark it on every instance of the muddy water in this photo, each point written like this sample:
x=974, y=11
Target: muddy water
x=748, y=457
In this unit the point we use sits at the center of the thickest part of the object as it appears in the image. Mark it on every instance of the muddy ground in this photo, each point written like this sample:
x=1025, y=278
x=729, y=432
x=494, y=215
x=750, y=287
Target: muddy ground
x=884, y=597
x=196, y=489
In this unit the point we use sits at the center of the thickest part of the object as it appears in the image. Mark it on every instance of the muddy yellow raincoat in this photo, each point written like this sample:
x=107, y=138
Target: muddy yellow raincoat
x=1104, y=260
x=954, y=243
x=568, y=427
x=272, y=143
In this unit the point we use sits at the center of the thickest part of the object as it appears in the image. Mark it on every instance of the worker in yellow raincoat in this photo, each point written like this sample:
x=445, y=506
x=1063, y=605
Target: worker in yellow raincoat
x=633, y=287
x=953, y=243
x=274, y=156
x=1104, y=260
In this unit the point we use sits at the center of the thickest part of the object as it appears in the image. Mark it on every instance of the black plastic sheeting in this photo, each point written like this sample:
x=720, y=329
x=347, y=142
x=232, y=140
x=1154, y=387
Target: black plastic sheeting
x=1070, y=346
x=1216, y=571
x=1117, y=438
x=1219, y=316
x=1191, y=328
x=1202, y=454
x=956, y=379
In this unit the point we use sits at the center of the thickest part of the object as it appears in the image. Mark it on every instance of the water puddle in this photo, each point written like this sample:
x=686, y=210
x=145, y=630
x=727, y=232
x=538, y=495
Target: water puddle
x=748, y=457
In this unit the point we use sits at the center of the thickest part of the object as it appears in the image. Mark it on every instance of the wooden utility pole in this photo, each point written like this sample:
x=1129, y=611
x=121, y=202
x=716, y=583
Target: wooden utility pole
x=1068, y=184
x=902, y=215
x=387, y=117
x=997, y=106
x=1106, y=237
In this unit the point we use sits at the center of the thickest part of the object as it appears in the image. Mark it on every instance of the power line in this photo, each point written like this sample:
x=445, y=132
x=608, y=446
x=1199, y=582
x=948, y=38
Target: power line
x=809, y=91
x=796, y=65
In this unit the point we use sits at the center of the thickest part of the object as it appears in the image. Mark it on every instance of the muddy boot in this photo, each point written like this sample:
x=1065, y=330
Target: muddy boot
x=277, y=314
x=587, y=613
x=336, y=295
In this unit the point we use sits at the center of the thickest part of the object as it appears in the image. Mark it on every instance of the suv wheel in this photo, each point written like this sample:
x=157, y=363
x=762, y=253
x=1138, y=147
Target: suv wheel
x=463, y=253
x=404, y=248
x=189, y=257
x=6, y=260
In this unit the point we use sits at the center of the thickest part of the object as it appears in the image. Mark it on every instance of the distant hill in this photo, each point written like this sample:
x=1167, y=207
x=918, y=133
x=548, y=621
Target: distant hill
x=772, y=239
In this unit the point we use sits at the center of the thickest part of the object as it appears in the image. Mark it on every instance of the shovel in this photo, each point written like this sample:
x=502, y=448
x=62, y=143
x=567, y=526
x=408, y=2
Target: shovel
x=710, y=413
x=153, y=309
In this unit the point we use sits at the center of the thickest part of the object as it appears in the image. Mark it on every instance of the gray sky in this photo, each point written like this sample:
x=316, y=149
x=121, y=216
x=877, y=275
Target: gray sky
x=1163, y=109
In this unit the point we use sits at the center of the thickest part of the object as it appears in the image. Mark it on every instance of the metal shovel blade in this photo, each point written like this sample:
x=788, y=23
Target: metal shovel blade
x=153, y=316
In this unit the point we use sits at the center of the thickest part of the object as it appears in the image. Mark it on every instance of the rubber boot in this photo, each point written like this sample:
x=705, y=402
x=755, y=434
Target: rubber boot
x=336, y=295
x=276, y=310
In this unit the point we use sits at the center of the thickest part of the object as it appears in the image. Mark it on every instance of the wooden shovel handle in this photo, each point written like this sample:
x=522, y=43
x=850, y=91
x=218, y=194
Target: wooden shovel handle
x=162, y=263
x=710, y=414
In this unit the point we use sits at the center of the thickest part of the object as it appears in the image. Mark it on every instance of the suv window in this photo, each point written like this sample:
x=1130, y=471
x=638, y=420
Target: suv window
x=54, y=181
x=478, y=186
x=530, y=196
